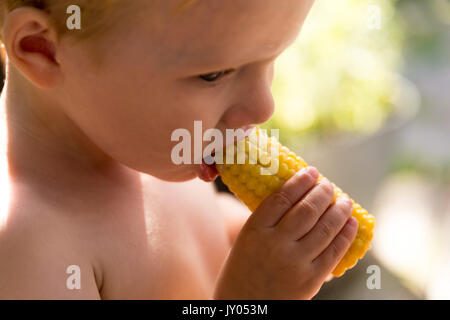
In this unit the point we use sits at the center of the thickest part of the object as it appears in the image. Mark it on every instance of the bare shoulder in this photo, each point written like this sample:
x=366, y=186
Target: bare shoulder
x=39, y=252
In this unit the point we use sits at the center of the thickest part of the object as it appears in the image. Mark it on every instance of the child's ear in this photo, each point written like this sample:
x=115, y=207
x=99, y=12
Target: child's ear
x=31, y=42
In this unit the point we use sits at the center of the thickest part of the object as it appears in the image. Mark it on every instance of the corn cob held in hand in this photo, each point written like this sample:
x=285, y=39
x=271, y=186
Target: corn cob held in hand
x=250, y=185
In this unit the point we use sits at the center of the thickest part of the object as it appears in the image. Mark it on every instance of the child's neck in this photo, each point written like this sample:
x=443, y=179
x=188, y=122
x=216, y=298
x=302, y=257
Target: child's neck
x=43, y=144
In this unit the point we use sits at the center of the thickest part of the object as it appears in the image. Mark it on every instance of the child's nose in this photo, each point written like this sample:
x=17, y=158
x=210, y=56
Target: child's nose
x=254, y=103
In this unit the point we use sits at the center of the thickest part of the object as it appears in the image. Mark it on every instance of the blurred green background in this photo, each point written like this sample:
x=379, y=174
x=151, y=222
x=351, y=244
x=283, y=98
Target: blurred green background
x=364, y=95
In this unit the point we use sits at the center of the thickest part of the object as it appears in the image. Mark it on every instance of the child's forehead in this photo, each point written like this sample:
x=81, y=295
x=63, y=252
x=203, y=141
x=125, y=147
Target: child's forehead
x=217, y=32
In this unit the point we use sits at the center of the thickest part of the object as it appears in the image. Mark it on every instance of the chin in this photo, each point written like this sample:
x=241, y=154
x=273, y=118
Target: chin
x=180, y=174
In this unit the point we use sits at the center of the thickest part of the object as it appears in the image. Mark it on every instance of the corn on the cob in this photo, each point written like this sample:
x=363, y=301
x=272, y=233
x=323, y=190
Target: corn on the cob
x=249, y=185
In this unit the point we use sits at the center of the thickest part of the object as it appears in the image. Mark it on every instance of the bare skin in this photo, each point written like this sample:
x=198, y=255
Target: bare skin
x=89, y=169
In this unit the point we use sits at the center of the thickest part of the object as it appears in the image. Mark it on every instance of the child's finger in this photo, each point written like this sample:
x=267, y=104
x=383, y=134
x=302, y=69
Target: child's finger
x=326, y=229
x=328, y=259
x=276, y=205
x=304, y=215
x=329, y=278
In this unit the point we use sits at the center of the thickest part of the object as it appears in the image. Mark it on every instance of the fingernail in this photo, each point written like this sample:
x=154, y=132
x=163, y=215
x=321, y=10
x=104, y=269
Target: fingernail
x=346, y=200
x=325, y=181
x=313, y=172
x=352, y=222
x=309, y=170
x=303, y=171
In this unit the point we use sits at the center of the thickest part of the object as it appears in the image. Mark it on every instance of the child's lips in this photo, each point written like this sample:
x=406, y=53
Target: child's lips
x=208, y=172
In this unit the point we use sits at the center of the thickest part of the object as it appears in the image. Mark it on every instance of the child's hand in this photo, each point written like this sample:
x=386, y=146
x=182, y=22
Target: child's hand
x=290, y=244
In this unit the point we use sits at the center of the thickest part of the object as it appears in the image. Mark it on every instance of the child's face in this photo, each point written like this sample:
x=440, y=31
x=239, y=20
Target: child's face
x=149, y=84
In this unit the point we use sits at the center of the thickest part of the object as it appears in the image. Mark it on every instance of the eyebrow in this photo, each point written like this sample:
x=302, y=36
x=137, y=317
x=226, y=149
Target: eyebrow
x=202, y=63
x=198, y=60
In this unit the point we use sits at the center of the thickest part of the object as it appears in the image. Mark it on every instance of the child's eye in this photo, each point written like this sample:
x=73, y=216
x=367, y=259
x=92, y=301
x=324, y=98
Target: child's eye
x=214, y=76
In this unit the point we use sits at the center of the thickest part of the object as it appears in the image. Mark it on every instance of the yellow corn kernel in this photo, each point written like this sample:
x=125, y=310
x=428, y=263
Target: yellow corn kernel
x=252, y=187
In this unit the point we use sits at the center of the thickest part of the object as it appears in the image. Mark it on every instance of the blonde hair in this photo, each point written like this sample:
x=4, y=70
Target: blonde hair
x=97, y=14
